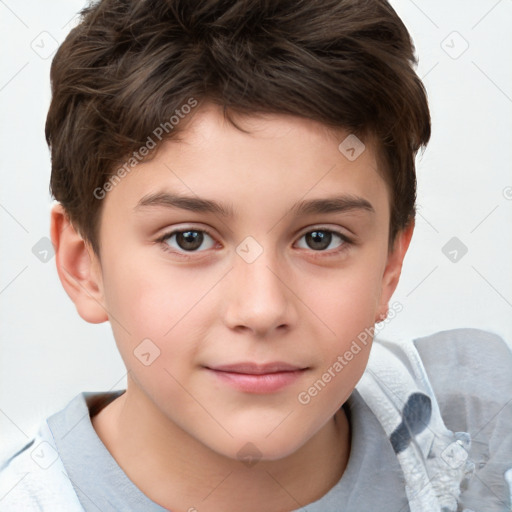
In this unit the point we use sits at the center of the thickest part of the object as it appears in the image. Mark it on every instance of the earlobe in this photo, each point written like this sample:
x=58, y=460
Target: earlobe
x=393, y=270
x=78, y=268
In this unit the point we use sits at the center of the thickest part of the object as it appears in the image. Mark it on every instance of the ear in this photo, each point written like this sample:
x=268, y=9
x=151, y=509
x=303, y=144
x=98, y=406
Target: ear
x=393, y=269
x=78, y=268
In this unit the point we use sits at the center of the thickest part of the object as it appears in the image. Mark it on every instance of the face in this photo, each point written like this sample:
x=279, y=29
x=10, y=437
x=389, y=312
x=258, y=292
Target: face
x=237, y=269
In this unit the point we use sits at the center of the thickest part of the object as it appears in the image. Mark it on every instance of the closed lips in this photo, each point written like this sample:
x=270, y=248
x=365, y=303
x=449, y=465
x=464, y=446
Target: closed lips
x=250, y=368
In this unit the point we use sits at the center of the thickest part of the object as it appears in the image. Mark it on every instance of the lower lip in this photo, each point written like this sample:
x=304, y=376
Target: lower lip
x=264, y=383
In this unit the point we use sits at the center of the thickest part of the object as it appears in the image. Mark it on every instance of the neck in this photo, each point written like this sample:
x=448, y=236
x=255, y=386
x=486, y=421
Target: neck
x=178, y=472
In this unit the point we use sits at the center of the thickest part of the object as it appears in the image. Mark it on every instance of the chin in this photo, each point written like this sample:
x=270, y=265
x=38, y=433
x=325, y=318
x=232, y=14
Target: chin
x=261, y=448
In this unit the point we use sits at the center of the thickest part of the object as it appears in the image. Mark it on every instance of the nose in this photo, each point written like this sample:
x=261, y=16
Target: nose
x=259, y=298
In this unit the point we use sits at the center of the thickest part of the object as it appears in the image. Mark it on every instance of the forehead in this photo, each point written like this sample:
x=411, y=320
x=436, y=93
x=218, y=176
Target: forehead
x=281, y=160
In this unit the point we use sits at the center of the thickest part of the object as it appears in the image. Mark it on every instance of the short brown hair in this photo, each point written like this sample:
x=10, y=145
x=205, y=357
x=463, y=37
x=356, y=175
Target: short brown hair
x=131, y=64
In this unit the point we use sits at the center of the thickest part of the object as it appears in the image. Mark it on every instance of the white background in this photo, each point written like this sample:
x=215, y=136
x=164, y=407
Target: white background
x=49, y=354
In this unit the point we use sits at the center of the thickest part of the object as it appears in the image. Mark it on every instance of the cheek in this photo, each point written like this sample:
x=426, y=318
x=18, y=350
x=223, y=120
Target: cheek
x=347, y=311
x=346, y=304
x=347, y=301
x=141, y=301
x=153, y=297
x=168, y=305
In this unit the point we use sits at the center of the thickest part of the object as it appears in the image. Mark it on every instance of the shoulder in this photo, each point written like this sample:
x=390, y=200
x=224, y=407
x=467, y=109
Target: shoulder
x=470, y=371
x=473, y=361
x=464, y=346
x=33, y=478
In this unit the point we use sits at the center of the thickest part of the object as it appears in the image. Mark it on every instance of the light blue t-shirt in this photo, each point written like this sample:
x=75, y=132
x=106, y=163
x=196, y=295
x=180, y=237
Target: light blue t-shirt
x=470, y=372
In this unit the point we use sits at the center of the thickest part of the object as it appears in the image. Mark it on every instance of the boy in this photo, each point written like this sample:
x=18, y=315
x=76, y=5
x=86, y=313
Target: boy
x=236, y=194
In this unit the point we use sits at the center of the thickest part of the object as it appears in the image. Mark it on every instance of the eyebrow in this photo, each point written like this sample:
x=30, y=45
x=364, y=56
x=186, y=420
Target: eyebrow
x=334, y=204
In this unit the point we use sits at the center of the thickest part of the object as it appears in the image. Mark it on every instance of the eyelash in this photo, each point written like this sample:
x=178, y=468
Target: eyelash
x=347, y=242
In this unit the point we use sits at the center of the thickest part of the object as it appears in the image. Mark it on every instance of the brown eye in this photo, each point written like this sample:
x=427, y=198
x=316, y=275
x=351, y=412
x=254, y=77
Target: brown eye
x=321, y=239
x=318, y=240
x=188, y=240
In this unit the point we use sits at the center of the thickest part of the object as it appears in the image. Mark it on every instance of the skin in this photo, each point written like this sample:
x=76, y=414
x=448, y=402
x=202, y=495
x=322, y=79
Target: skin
x=178, y=429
